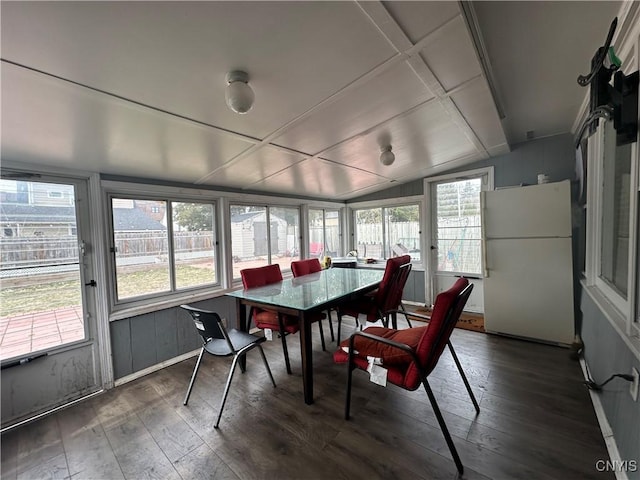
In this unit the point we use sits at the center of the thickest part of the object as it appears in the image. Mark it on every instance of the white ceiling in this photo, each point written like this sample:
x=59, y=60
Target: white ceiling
x=137, y=88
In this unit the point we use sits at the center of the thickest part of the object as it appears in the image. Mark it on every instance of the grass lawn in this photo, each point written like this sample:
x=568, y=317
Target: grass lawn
x=44, y=296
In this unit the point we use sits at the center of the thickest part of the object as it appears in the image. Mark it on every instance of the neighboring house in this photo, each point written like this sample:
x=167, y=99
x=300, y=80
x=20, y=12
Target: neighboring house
x=23, y=220
x=152, y=208
x=30, y=209
x=134, y=220
x=34, y=193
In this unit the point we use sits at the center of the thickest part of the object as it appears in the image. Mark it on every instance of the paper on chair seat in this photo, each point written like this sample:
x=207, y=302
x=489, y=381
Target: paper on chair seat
x=377, y=373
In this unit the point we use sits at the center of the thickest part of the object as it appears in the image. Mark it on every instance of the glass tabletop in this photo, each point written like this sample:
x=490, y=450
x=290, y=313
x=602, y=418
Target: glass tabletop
x=313, y=290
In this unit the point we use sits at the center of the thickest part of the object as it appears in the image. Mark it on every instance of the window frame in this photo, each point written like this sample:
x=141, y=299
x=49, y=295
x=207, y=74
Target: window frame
x=620, y=311
x=231, y=202
x=414, y=200
x=124, y=308
x=306, y=218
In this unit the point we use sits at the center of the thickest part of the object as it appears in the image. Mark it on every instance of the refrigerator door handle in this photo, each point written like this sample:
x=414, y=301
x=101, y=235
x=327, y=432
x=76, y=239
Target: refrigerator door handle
x=483, y=243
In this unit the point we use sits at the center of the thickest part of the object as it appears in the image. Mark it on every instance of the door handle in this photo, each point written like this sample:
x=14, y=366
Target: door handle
x=92, y=283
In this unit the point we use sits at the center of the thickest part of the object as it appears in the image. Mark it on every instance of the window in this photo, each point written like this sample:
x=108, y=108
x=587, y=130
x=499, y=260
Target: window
x=612, y=229
x=325, y=236
x=156, y=256
x=458, y=226
x=255, y=245
x=388, y=232
x=41, y=304
x=614, y=234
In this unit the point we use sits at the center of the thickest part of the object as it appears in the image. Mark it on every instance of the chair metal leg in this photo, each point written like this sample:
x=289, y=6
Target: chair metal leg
x=193, y=376
x=339, y=326
x=347, y=404
x=333, y=338
x=464, y=377
x=226, y=389
x=443, y=426
x=284, y=344
x=266, y=364
x=324, y=349
x=406, y=317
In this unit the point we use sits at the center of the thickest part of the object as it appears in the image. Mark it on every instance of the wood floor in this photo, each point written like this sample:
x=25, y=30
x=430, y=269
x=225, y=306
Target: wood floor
x=536, y=422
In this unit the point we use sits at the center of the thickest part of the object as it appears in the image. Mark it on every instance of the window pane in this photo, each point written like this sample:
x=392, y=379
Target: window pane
x=194, y=244
x=141, y=242
x=248, y=237
x=324, y=233
x=403, y=231
x=285, y=236
x=332, y=237
x=614, y=260
x=316, y=233
x=369, y=233
x=41, y=294
x=458, y=226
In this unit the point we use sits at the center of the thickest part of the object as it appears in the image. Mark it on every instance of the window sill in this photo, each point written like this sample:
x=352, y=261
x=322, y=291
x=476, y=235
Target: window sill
x=156, y=305
x=615, y=318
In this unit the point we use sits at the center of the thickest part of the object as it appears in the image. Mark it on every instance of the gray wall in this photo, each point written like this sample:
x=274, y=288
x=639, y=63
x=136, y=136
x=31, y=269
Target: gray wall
x=606, y=353
x=145, y=340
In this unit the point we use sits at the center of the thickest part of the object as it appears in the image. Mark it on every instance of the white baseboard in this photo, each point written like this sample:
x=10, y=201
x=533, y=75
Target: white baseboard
x=155, y=368
x=605, y=427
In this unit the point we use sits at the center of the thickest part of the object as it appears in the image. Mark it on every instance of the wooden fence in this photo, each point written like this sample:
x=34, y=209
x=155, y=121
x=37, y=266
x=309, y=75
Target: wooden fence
x=21, y=252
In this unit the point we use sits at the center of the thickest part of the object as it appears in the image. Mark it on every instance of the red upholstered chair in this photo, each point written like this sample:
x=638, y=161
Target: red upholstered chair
x=300, y=268
x=410, y=355
x=263, y=318
x=387, y=298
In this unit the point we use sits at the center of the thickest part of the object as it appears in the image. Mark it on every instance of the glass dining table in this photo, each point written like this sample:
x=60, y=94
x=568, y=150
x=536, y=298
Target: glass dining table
x=303, y=296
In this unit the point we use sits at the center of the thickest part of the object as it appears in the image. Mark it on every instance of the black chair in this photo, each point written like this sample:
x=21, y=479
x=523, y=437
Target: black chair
x=219, y=342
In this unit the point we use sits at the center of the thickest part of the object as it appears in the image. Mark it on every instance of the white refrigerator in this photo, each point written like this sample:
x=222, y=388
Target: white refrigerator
x=528, y=284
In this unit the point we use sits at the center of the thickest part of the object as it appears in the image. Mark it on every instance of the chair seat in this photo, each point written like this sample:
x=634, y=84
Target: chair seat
x=395, y=374
x=269, y=319
x=239, y=340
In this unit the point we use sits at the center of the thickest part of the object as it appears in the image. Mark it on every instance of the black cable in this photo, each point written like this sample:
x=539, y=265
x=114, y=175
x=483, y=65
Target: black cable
x=591, y=385
x=585, y=80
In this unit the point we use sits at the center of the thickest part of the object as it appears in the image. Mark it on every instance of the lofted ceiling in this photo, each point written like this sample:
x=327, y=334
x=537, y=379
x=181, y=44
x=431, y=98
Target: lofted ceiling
x=137, y=88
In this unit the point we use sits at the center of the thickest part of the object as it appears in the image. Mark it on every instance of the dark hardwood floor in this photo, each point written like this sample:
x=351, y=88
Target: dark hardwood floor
x=536, y=422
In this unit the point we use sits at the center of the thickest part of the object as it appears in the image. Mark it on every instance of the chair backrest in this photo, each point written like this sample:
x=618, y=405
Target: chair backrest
x=446, y=312
x=259, y=276
x=209, y=324
x=393, y=264
x=305, y=267
x=396, y=288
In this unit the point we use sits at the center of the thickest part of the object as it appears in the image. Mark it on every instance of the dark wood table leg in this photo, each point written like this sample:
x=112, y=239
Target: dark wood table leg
x=306, y=353
x=241, y=324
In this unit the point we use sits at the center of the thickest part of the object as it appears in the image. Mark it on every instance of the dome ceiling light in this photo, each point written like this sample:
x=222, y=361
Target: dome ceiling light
x=386, y=156
x=239, y=95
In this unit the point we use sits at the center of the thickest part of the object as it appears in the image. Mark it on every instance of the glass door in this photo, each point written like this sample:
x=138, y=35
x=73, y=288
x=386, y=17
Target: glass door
x=456, y=234
x=47, y=330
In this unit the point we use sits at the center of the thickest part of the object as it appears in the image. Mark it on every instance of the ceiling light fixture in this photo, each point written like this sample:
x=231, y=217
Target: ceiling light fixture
x=239, y=95
x=387, y=157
